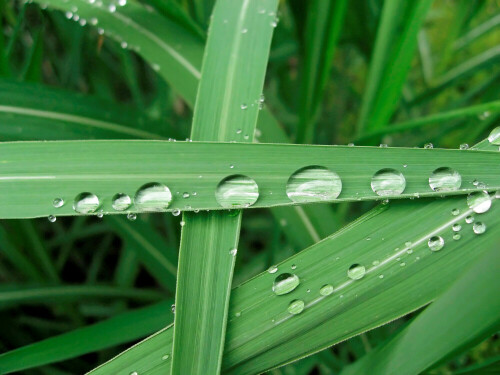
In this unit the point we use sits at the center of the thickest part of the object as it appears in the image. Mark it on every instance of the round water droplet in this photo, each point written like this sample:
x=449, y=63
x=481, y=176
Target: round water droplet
x=326, y=290
x=428, y=145
x=445, y=179
x=285, y=283
x=243, y=106
x=233, y=252
x=86, y=203
x=356, y=271
x=153, y=197
x=272, y=269
x=388, y=181
x=172, y=308
x=185, y=195
x=464, y=146
x=182, y=223
x=296, y=307
x=313, y=184
x=479, y=201
x=131, y=216
x=121, y=202
x=469, y=219
x=176, y=212
x=112, y=8
x=293, y=267
x=457, y=236
x=165, y=357
x=456, y=227
x=237, y=191
x=58, y=202
x=455, y=211
x=134, y=373
x=435, y=243
x=52, y=218
x=494, y=136
x=479, y=227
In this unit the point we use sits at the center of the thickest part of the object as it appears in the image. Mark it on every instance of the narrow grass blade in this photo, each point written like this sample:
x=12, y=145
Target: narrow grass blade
x=477, y=32
x=123, y=328
x=470, y=303
x=36, y=173
x=227, y=105
x=488, y=366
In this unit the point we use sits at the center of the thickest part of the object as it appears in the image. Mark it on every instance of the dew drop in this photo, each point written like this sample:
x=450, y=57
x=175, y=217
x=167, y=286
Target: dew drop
x=86, y=203
x=445, y=179
x=296, y=307
x=285, y=283
x=457, y=236
x=52, y=218
x=182, y=223
x=243, y=106
x=494, y=136
x=479, y=202
x=131, y=216
x=479, y=227
x=272, y=269
x=121, y=202
x=233, y=252
x=388, y=181
x=293, y=267
x=312, y=184
x=165, y=357
x=356, y=271
x=176, y=212
x=380, y=276
x=153, y=197
x=134, y=373
x=469, y=219
x=172, y=308
x=237, y=191
x=456, y=227
x=112, y=8
x=185, y=195
x=326, y=290
x=122, y=3
x=435, y=243
x=428, y=145
x=464, y=146
x=455, y=211
x=58, y=202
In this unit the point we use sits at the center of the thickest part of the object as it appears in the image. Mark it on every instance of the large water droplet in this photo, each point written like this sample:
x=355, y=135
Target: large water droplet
x=445, y=179
x=479, y=201
x=356, y=271
x=86, y=203
x=312, y=184
x=121, y=202
x=237, y=191
x=326, y=290
x=285, y=283
x=456, y=227
x=388, y=181
x=494, y=136
x=469, y=219
x=153, y=197
x=435, y=243
x=479, y=227
x=52, y=218
x=296, y=307
x=58, y=202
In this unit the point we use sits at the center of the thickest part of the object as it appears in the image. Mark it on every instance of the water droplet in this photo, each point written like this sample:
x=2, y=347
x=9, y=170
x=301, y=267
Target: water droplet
x=233, y=252
x=383, y=145
x=237, y=191
x=100, y=214
x=237, y=314
x=403, y=264
x=376, y=262
x=409, y=251
x=122, y=3
x=479, y=201
x=457, y=236
x=172, y=308
x=296, y=306
x=165, y=357
x=312, y=184
x=86, y=203
x=185, y=195
x=52, y=218
x=124, y=44
x=464, y=146
x=484, y=115
x=455, y=211
x=134, y=373
x=58, y=202
x=350, y=144
x=244, y=31
x=176, y=212
x=428, y=145
x=93, y=21
x=243, y=106
x=285, y=283
x=238, y=131
x=326, y=290
x=82, y=22
x=112, y=8
x=445, y=179
x=272, y=269
x=456, y=227
x=293, y=267
x=494, y=136
x=121, y=202
x=131, y=216
x=435, y=243
x=469, y=219
x=153, y=197
x=231, y=166
x=388, y=181
x=479, y=227
x=380, y=276
x=182, y=223
x=68, y=15
x=356, y=271
x=475, y=182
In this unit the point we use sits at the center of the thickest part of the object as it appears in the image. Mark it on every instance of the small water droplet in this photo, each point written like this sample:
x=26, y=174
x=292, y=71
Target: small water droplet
x=312, y=184
x=388, y=181
x=383, y=145
x=296, y=307
x=409, y=251
x=134, y=373
x=326, y=290
x=93, y=21
x=238, y=314
x=68, y=15
x=172, y=308
x=131, y=216
x=293, y=267
x=165, y=357
x=456, y=227
x=435, y=243
x=479, y=202
x=272, y=269
x=469, y=219
x=176, y=212
x=58, y=202
x=124, y=44
x=376, y=262
x=350, y=144
x=112, y=8
x=479, y=227
x=445, y=179
x=86, y=203
x=233, y=252
x=237, y=191
x=285, y=283
x=243, y=106
x=455, y=211
x=356, y=271
x=52, y=218
x=494, y=136
x=457, y=236
x=428, y=145
x=185, y=195
x=121, y=202
x=380, y=276
x=484, y=115
x=122, y=3
x=153, y=197
x=464, y=146
x=403, y=264
x=244, y=31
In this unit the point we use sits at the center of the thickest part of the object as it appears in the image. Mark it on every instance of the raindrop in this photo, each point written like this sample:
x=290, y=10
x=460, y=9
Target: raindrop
x=457, y=236
x=185, y=195
x=435, y=243
x=296, y=306
x=388, y=181
x=134, y=373
x=428, y=145
x=93, y=21
x=403, y=264
x=82, y=22
x=464, y=146
x=479, y=202
x=380, y=276
x=293, y=266
x=243, y=106
x=237, y=191
x=68, y=15
x=165, y=357
x=122, y=3
x=131, y=216
x=494, y=136
x=285, y=283
x=383, y=145
x=100, y=214
x=326, y=290
x=469, y=219
x=52, y=218
x=121, y=202
x=172, y=308
x=233, y=252
x=456, y=227
x=312, y=184
x=231, y=166
x=124, y=44
x=356, y=271
x=244, y=31
x=350, y=144
x=58, y=202
x=153, y=197
x=86, y=203
x=455, y=211
x=484, y=115
x=479, y=227
x=238, y=131
x=176, y=212
x=182, y=223
x=445, y=179
x=272, y=269
x=112, y=8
